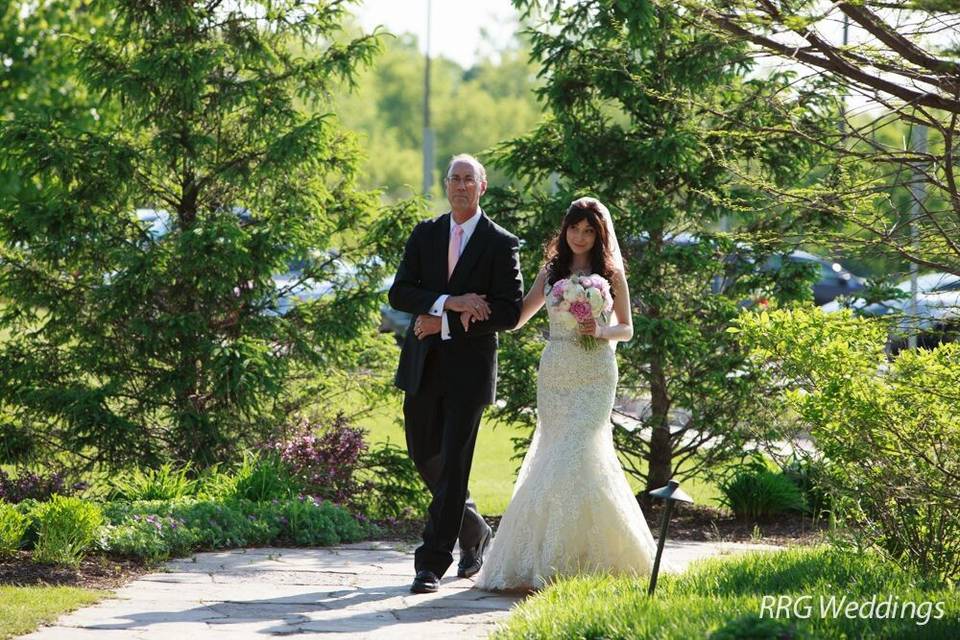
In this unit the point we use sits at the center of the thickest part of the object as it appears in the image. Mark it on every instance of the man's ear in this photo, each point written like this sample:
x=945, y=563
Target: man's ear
x=483, y=187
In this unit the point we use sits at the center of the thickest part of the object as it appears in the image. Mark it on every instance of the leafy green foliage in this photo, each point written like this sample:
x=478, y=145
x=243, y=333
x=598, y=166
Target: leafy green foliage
x=755, y=492
x=149, y=537
x=13, y=525
x=471, y=110
x=261, y=476
x=892, y=178
x=165, y=483
x=888, y=431
x=66, y=529
x=392, y=486
x=125, y=345
x=159, y=529
x=38, y=72
x=812, y=478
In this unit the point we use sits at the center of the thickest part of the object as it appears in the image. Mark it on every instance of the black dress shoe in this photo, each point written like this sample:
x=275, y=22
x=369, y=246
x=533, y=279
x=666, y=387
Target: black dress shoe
x=472, y=559
x=425, y=582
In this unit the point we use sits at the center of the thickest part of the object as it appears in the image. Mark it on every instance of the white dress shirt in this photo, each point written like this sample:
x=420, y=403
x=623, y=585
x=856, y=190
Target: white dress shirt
x=468, y=227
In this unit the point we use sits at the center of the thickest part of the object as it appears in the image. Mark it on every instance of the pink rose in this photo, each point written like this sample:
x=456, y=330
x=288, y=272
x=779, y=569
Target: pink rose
x=581, y=310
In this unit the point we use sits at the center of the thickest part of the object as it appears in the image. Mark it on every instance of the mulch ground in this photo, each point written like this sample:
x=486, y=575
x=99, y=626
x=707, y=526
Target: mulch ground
x=94, y=572
x=707, y=524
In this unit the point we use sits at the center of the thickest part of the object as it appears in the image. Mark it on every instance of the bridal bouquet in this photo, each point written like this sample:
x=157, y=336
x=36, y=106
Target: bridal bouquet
x=580, y=298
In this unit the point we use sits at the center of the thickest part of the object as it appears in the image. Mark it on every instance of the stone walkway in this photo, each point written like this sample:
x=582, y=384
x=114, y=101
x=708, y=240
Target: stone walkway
x=352, y=591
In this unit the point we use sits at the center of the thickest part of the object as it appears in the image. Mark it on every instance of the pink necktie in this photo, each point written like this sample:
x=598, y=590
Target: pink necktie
x=453, y=252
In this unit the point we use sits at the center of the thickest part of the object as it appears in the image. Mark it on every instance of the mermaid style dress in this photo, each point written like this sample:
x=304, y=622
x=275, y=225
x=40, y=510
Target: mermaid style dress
x=572, y=510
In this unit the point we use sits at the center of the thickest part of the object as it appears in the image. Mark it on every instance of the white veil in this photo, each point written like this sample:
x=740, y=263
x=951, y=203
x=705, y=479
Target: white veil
x=611, y=234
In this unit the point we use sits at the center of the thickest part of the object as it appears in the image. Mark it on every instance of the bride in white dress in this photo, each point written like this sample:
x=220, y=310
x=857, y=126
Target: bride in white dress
x=572, y=510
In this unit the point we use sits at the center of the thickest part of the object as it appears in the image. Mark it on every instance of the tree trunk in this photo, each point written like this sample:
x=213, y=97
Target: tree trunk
x=660, y=459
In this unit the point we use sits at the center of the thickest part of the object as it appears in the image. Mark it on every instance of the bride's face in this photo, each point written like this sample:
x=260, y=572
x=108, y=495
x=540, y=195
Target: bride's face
x=581, y=237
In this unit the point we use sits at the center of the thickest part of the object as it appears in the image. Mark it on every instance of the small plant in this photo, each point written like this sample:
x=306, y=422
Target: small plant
x=325, y=459
x=66, y=527
x=158, y=529
x=334, y=462
x=13, y=525
x=312, y=521
x=753, y=627
x=150, y=537
x=810, y=476
x=261, y=477
x=755, y=492
x=165, y=483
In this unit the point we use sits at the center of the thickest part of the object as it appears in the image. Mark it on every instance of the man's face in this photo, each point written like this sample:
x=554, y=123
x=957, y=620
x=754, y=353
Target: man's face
x=464, y=187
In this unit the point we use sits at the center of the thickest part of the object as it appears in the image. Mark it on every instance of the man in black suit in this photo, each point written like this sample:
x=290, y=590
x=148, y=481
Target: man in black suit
x=460, y=277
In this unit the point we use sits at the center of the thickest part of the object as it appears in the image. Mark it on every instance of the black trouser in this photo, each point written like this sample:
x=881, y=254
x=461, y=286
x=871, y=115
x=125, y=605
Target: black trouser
x=441, y=426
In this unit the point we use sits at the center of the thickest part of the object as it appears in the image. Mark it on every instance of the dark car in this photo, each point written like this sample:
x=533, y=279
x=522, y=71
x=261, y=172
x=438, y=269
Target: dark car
x=833, y=279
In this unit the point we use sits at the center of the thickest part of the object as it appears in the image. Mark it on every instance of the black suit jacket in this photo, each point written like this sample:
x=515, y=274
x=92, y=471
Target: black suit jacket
x=489, y=264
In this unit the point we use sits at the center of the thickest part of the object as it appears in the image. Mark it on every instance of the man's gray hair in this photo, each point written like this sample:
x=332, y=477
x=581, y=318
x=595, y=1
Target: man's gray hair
x=466, y=157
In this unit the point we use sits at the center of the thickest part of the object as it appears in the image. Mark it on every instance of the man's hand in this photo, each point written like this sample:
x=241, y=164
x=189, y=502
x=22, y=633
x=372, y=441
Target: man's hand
x=471, y=302
x=426, y=325
x=466, y=317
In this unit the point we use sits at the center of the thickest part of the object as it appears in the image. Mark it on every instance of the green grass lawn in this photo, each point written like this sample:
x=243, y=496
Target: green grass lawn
x=23, y=609
x=493, y=473
x=722, y=599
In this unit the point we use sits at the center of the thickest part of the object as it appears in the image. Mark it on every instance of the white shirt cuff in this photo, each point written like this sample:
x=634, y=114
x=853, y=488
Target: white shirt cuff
x=437, y=308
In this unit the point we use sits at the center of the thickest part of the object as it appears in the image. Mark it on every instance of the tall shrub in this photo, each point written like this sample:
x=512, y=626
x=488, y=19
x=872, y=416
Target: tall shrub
x=889, y=431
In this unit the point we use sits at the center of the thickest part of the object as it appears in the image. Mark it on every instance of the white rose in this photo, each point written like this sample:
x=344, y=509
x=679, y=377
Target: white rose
x=564, y=306
x=595, y=298
x=572, y=292
x=568, y=321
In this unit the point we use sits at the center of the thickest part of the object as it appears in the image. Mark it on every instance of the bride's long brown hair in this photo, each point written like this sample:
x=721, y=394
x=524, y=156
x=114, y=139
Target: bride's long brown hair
x=558, y=254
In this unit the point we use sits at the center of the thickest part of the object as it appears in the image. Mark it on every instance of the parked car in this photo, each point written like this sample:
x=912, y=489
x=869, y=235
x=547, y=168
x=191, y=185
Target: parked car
x=937, y=315
x=833, y=278
x=393, y=320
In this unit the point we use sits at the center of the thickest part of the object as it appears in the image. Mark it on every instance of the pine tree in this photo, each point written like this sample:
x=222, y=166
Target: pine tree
x=128, y=344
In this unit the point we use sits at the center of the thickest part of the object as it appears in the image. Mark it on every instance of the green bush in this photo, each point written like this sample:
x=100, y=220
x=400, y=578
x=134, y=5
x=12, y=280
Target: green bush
x=755, y=492
x=392, y=485
x=307, y=521
x=149, y=537
x=159, y=529
x=13, y=525
x=260, y=477
x=889, y=431
x=813, y=480
x=66, y=528
x=165, y=483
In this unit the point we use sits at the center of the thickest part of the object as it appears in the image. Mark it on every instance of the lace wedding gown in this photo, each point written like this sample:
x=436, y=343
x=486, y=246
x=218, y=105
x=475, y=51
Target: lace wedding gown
x=572, y=509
